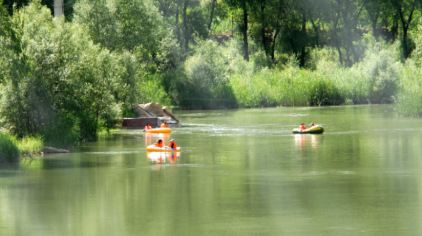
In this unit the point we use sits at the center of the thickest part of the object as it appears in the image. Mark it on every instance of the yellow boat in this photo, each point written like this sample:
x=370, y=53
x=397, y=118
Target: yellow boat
x=158, y=131
x=316, y=129
x=153, y=148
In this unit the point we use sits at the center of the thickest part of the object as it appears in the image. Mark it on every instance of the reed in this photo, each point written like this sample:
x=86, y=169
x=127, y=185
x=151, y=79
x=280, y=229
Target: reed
x=409, y=98
x=9, y=151
x=30, y=146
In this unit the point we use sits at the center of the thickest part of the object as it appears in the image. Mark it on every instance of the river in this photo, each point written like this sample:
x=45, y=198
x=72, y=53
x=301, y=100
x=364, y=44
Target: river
x=240, y=172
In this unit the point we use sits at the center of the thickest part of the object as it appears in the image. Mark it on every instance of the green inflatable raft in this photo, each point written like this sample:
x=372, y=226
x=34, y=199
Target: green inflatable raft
x=316, y=129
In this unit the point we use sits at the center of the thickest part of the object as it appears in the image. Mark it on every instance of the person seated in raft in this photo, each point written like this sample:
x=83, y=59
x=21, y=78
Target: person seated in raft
x=172, y=144
x=147, y=127
x=159, y=143
x=312, y=124
x=164, y=125
x=302, y=126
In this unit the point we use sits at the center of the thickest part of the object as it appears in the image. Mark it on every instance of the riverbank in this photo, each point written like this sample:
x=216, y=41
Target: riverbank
x=12, y=148
x=379, y=78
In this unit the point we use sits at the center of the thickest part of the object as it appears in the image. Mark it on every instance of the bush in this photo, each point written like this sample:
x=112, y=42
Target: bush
x=30, y=146
x=254, y=90
x=383, y=72
x=409, y=99
x=290, y=86
x=151, y=89
x=417, y=37
x=57, y=76
x=205, y=84
x=9, y=151
x=323, y=93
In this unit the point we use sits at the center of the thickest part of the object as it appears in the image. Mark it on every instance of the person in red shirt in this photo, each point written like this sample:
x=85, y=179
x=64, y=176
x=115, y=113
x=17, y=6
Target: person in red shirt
x=159, y=143
x=172, y=144
x=302, y=126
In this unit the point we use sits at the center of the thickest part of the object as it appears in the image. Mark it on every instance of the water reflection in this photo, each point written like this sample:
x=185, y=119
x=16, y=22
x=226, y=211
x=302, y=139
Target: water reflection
x=305, y=140
x=163, y=157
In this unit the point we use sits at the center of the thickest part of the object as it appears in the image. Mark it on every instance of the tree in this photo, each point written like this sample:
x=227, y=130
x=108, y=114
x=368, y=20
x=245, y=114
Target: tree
x=405, y=10
x=66, y=4
x=244, y=6
x=58, y=79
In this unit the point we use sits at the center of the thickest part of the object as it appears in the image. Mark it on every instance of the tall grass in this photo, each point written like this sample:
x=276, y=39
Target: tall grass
x=374, y=80
x=12, y=148
x=216, y=76
x=30, y=146
x=9, y=151
x=409, y=98
x=288, y=87
x=151, y=89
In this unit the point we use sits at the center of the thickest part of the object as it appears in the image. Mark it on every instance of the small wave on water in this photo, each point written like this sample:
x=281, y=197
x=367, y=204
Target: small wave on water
x=159, y=166
x=345, y=132
x=113, y=152
x=220, y=130
x=325, y=173
x=296, y=115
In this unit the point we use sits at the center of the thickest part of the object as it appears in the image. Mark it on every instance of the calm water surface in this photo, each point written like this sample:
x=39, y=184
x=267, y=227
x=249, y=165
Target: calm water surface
x=239, y=173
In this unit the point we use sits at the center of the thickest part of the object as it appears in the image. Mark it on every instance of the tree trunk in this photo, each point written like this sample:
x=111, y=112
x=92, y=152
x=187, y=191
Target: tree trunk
x=395, y=27
x=244, y=30
x=273, y=44
x=213, y=4
x=177, y=24
x=58, y=8
x=316, y=30
x=302, y=57
x=405, y=45
x=264, y=38
x=405, y=26
x=185, y=26
x=340, y=54
x=374, y=22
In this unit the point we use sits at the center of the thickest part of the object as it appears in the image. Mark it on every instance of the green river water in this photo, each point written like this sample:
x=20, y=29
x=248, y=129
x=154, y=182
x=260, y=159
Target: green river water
x=240, y=172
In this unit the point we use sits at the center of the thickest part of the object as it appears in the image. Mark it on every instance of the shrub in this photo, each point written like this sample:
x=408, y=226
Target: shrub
x=323, y=93
x=30, y=146
x=205, y=84
x=57, y=76
x=409, y=99
x=151, y=89
x=9, y=151
x=290, y=86
x=382, y=69
x=417, y=37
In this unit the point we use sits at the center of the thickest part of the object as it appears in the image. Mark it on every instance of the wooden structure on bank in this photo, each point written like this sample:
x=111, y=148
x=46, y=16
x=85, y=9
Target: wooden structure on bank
x=150, y=113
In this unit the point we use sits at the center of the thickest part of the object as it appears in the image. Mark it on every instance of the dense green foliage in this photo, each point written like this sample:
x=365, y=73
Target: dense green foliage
x=9, y=151
x=205, y=83
x=12, y=148
x=59, y=84
x=30, y=146
x=66, y=78
x=65, y=82
x=409, y=99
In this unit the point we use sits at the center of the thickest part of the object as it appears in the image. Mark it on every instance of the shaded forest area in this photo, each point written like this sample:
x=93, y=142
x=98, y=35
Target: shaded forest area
x=71, y=76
